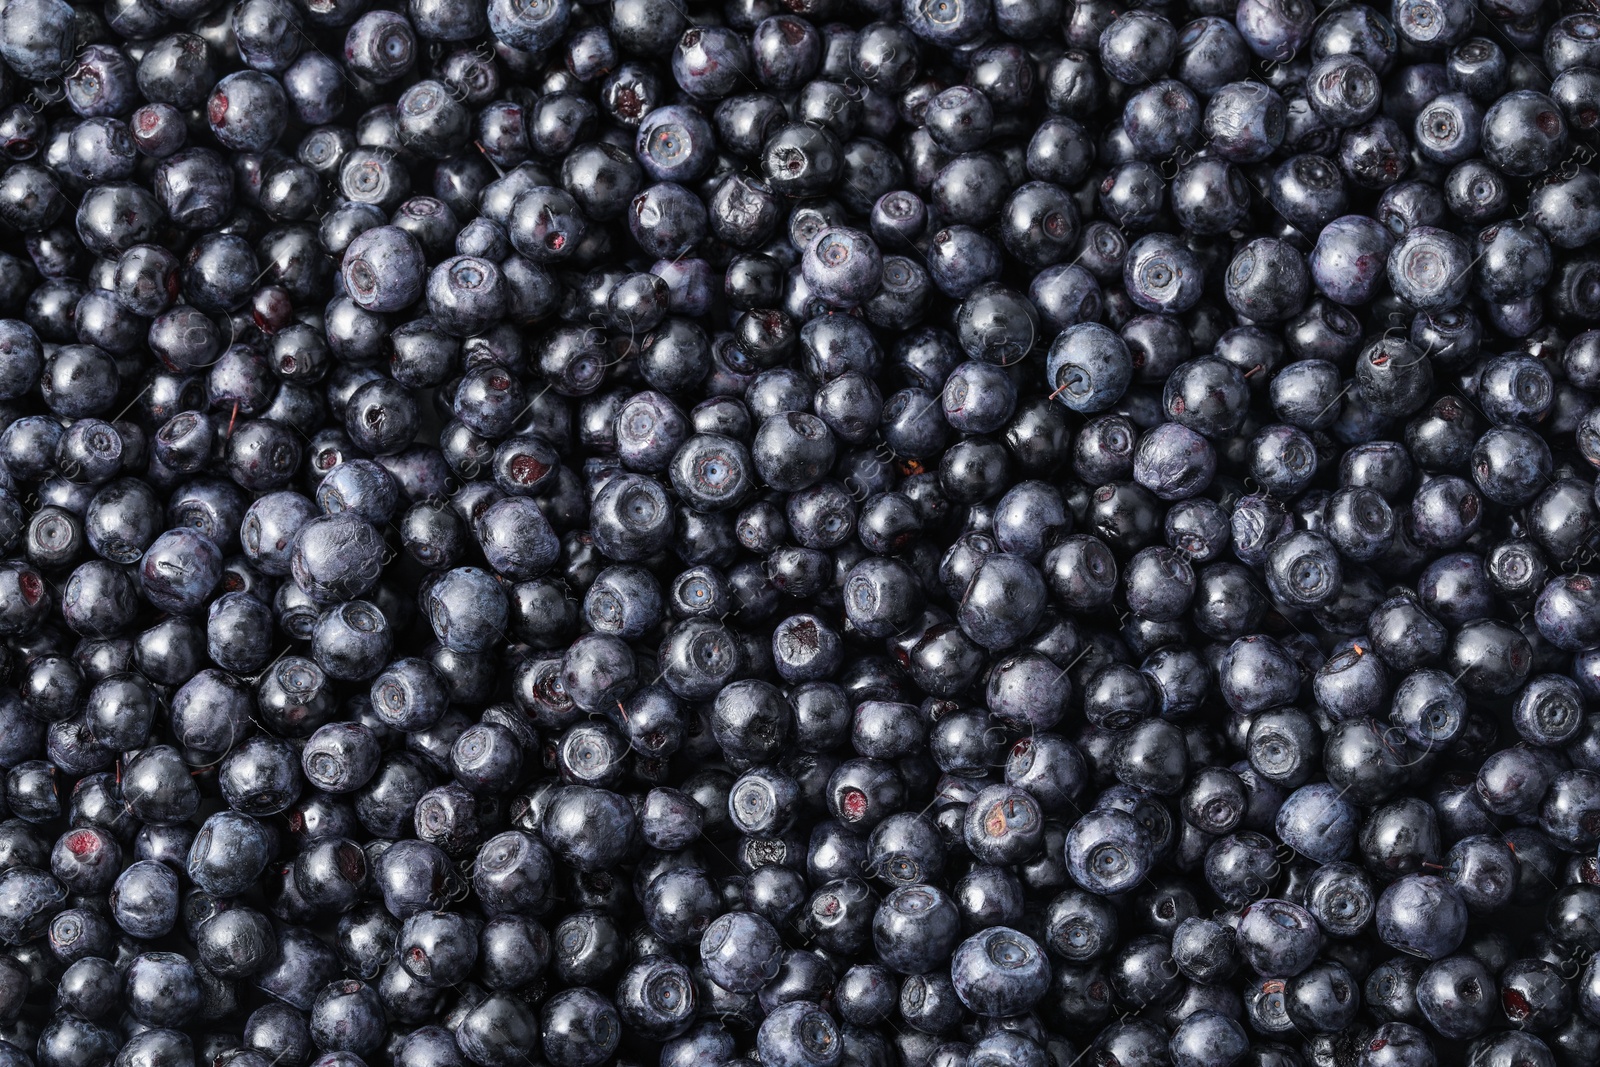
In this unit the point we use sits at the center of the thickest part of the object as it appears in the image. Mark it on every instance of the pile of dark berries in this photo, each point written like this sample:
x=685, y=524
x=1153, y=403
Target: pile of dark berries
x=810, y=533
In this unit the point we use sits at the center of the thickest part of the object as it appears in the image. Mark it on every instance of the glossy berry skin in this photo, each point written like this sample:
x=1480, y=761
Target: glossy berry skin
x=1245, y=121
x=999, y=972
x=466, y=609
x=1532, y=149
x=723, y=948
x=179, y=569
x=247, y=111
x=1161, y=275
x=1108, y=851
x=1267, y=280
x=1350, y=259
x=800, y=1034
x=916, y=928
x=657, y=997
x=565, y=498
x=1428, y=268
x=1207, y=1037
x=562, y=827
x=1421, y=915
x=228, y=854
x=1136, y=48
x=1089, y=368
x=578, y=1027
x=383, y=268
